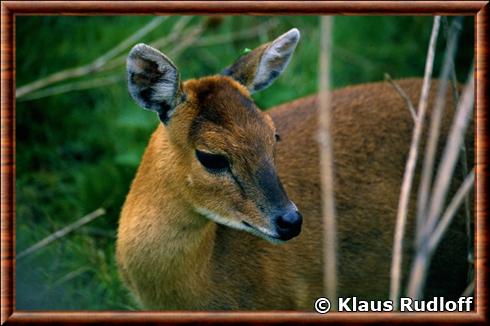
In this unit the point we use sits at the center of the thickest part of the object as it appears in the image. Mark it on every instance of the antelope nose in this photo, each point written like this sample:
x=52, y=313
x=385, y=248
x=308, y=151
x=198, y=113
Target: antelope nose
x=288, y=224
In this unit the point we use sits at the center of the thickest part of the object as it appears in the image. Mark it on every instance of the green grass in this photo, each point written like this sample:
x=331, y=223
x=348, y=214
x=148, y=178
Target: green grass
x=78, y=151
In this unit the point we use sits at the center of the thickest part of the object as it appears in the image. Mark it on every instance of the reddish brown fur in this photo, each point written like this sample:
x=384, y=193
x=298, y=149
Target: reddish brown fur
x=371, y=132
x=173, y=258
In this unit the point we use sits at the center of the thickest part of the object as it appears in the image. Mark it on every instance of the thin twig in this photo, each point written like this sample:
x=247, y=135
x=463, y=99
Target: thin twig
x=403, y=95
x=431, y=146
x=95, y=65
x=61, y=233
x=469, y=289
x=176, y=32
x=451, y=210
x=464, y=164
x=154, y=23
x=454, y=80
x=68, y=277
x=410, y=169
x=450, y=155
x=188, y=40
x=326, y=165
x=160, y=43
x=74, y=86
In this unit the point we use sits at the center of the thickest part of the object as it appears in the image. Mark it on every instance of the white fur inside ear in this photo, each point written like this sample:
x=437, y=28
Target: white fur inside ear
x=153, y=78
x=275, y=59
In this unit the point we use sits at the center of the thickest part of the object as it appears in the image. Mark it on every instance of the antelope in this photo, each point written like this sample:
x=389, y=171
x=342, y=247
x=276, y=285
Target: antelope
x=225, y=211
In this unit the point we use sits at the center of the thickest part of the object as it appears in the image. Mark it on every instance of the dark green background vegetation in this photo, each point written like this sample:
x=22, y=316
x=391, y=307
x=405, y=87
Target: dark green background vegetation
x=78, y=151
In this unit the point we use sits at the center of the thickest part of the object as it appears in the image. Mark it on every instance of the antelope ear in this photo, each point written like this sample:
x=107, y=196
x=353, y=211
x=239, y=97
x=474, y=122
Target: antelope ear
x=153, y=81
x=259, y=68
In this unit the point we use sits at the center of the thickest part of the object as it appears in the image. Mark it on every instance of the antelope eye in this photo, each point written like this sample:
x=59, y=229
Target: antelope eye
x=212, y=162
x=278, y=137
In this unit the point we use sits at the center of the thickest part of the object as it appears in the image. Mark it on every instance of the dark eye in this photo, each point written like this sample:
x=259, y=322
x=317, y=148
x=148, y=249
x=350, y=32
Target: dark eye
x=278, y=137
x=213, y=162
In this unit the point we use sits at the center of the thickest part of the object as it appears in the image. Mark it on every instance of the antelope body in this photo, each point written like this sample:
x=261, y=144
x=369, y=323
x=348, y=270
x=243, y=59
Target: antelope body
x=222, y=214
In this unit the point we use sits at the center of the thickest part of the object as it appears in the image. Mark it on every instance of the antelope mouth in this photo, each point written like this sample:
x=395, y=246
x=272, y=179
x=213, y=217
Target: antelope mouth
x=243, y=226
x=262, y=233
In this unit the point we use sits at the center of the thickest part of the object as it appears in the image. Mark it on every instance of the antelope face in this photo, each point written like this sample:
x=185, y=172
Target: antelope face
x=226, y=144
x=232, y=177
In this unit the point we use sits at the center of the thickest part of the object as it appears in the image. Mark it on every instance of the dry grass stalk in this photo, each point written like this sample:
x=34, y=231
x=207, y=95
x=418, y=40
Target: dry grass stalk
x=61, y=233
x=434, y=228
x=463, y=162
x=73, y=86
x=434, y=129
x=451, y=210
x=326, y=164
x=404, y=95
x=450, y=156
x=188, y=40
x=470, y=289
x=68, y=277
x=410, y=169
x=454, y=80
x=176, y=32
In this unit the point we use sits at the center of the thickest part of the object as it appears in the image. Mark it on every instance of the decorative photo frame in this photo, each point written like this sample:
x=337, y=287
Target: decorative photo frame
x=12, y=9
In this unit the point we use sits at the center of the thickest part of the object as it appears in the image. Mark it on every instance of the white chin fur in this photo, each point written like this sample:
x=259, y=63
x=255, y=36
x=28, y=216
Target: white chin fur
x=257, y=231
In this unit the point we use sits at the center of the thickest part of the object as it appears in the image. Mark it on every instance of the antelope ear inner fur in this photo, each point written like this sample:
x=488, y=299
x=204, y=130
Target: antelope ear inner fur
x=153, y=81
x=260, y=68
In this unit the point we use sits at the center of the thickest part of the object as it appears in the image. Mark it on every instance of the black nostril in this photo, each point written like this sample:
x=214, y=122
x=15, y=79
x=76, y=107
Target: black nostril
x=282, y=222
x=289, y=224
x=290, y=219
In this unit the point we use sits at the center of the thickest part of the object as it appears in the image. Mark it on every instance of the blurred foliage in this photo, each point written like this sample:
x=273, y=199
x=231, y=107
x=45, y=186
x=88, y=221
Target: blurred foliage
x=78, y=151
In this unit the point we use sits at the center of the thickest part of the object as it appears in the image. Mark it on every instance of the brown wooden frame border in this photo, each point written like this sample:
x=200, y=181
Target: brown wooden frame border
x=9, y=9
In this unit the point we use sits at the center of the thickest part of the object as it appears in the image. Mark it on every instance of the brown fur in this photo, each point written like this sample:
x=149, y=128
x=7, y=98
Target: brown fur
x=174, y=258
